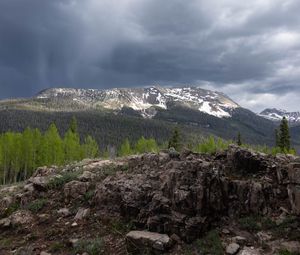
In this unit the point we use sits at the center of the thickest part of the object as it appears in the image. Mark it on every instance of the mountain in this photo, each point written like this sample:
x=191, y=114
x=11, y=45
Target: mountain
x=113, y=115
x=145, y=101
x=277, y=115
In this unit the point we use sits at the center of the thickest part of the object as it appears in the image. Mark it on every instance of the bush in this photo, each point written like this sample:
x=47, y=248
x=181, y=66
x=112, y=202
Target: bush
x=212, y=145
x=37, y=205
x=210, y=244
x=59, y=181
x=91, y=246
x=249, y=224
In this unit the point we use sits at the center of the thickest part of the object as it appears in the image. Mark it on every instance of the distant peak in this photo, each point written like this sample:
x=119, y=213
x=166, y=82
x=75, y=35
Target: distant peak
x=275, y=114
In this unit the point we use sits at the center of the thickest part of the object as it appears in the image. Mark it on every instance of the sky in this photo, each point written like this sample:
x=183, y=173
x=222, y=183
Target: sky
x=249, y=50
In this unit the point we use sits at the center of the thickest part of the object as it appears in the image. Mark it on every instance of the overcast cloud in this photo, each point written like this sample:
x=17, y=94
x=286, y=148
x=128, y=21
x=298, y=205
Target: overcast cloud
x=250, y=51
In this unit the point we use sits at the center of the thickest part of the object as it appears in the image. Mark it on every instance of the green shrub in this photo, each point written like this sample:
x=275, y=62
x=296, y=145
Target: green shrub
x=121, y=227
x=212, y=145
x=210, y=244
x=11, y=209
x=91, y=246
x=37, y=205
x=60, y=181
x=249, y=224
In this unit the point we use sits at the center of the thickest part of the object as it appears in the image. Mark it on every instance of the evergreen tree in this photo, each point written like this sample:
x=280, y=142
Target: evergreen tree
x=284, y=136
x=239, y=139
x=74, y=126
x=277, y=138
x=175, y=140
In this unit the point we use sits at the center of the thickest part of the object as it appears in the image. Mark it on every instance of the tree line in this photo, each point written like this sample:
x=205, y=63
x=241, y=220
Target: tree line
x=22, y=152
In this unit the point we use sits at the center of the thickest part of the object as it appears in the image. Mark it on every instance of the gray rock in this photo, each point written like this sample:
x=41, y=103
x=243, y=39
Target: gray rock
x=75, y=189
x=64, y=212
x=249, y=251
x=139, y=241
x=5, y=223
x=86, y=176
x=82, y=214
x=232, y=248
x=291, y=246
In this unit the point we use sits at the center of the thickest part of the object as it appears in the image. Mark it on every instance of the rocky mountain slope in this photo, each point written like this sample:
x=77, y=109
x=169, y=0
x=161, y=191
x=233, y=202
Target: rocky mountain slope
x=145, y=100
x=277, y=115
x=235, y=202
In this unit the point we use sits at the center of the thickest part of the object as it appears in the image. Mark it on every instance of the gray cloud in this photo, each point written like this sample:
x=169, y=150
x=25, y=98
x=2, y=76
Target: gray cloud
x=249, y=51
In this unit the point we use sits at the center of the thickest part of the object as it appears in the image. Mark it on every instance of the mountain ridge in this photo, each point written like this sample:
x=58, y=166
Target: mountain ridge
x=276, y=115
x=146, y=99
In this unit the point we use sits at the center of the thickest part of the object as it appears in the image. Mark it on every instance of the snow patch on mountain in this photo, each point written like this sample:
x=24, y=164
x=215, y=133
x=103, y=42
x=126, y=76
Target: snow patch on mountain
x=144, y=99
x=277, y=115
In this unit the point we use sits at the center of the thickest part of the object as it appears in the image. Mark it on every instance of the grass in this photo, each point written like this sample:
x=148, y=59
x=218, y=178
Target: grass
x=60, y=181
x=37, y=205
x=250, y=224
x=91, y=246
x=56, y=247
x=210, y=244
x=121, y=227
x=286, y=252
x=11, y=209
x=88, y=195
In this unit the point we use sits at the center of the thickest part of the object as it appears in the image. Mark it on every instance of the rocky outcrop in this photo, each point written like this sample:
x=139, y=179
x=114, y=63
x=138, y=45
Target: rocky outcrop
x=186, y=195
x=177, y=197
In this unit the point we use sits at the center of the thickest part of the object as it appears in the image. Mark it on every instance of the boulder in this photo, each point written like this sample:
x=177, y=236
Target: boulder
x=75, y=189
x=39, y=183
x=249, y=251
x=5, y=223
x=144, y=241
x=232, y=248
x=21, y=218
x=291, y=246
x=86, y=176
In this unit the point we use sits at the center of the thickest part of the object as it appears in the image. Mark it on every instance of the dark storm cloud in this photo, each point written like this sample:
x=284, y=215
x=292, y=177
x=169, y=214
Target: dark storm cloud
x=249, y=51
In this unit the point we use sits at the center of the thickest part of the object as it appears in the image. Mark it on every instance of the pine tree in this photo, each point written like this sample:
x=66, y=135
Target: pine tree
x=284, y=136
x=239, y=139
x=74, y=126
x=175, y=140
x=277, y=138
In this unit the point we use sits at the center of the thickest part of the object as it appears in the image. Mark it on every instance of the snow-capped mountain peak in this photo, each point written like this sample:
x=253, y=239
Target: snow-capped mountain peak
x=277, y=115
x=145, y=100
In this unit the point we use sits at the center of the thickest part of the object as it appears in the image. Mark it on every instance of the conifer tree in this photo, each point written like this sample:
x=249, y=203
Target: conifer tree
x=239, y=139
x=74, y=126
x=284, y=136
x=277, y=138
x=175, y=140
